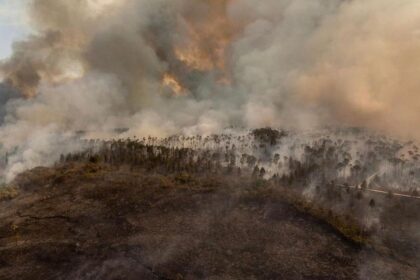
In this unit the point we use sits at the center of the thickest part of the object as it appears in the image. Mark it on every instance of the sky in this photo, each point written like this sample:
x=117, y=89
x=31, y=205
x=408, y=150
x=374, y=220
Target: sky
x=13, y=24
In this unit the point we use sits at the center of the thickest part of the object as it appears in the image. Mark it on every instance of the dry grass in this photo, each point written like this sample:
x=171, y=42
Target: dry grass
x=8, y=192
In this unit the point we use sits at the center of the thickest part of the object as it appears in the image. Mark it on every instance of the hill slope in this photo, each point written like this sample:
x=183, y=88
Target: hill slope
x=96, y=221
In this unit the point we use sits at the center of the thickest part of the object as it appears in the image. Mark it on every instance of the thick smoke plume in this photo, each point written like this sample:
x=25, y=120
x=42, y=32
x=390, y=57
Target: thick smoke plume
x=182, y=66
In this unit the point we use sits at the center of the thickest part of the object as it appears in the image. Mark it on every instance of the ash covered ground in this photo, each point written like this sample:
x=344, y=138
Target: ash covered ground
x=260, y=204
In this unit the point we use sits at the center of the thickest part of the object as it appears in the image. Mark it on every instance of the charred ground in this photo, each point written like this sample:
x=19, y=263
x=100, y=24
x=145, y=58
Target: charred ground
x=138, y=209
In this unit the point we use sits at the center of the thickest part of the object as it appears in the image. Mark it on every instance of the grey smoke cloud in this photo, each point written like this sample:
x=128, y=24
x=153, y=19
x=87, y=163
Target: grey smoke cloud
x=96, y=65
x=7, y=93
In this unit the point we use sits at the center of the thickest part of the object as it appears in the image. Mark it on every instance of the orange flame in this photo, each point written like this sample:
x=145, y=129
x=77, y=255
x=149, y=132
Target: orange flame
x=207, y=39
x=170, y=81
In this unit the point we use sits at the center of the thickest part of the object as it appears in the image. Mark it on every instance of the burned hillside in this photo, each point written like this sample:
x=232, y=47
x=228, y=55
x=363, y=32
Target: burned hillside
x=334, y=182
x=87, y=219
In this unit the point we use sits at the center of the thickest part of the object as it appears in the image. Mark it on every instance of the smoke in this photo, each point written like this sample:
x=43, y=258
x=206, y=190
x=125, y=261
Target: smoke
x=181, y=66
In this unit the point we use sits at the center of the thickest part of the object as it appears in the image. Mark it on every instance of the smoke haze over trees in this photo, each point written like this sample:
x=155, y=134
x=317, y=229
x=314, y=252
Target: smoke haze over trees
x=195, y=67
x=298, y=116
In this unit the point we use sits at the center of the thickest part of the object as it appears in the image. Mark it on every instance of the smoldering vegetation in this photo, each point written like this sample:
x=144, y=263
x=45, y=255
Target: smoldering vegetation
x=351, y=157
x=365, y=185
x=227, y=206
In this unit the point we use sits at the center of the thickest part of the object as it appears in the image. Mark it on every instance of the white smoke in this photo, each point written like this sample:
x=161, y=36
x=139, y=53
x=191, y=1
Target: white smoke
x=97, y=65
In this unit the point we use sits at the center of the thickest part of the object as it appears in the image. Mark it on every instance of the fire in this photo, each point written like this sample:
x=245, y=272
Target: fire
x=194, y=58
x=206, y=41
x=206, y=46
x=171, y=82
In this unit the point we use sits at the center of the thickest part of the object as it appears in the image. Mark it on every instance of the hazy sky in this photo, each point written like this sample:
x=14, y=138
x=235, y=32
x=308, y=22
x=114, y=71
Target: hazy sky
x=12, y=24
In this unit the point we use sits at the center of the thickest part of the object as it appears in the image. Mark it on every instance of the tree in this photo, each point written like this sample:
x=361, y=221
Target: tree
x=262, y=172
x=364, y=185
x=256, y=171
